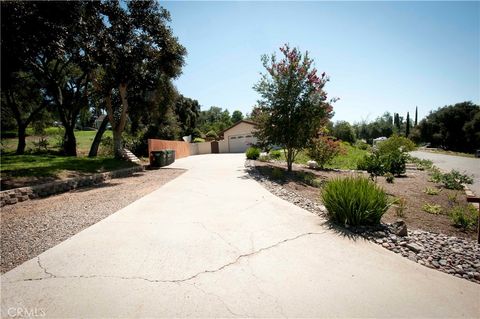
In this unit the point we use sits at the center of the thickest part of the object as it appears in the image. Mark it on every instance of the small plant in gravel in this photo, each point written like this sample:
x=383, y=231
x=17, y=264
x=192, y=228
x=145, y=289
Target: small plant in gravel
x=435, y=175
x=431, y=191
x=389, y=178
x=452, y=198
x=354, y=201
x=463, y=216
x=277, y=173
x=421, y=164
x=432, y=208
x=455, y=180
x=253, y=153
x=309, y=179
x=400, y=205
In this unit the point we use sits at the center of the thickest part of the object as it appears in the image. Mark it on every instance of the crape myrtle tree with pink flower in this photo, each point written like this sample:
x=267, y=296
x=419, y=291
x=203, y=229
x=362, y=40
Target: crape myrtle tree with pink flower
x=293, y=103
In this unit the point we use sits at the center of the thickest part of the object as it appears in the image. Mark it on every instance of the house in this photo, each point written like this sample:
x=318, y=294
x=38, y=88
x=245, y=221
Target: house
x=236, y=139
x=239, y=136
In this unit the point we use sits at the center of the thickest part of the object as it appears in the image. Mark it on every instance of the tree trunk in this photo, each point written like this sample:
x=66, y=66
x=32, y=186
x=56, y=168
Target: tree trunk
x=117, y=125
x=98, y=138
x=117, y=144
x=289, y=160
x=21, y=139
x=69, y=142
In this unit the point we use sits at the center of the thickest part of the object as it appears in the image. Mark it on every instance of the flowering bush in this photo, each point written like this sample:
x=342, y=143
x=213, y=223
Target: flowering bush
x=293, y=103
x=323, y=150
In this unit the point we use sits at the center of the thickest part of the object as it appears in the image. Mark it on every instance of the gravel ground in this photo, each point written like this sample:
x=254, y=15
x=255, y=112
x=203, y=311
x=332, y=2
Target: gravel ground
x=29, y=228
x=456, y=256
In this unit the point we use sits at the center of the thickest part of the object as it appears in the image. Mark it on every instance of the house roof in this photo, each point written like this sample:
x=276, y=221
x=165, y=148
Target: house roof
x=239, y=122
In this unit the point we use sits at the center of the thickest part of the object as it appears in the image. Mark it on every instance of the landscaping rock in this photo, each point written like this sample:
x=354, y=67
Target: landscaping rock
x=312, y=164
x=400, y=228
x=414, y=247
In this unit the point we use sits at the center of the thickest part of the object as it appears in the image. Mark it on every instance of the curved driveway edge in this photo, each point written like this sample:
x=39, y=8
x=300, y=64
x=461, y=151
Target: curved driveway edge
x=215, y=243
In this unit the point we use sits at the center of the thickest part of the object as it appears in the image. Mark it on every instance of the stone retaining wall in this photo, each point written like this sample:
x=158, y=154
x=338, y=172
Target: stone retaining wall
x=13, y=196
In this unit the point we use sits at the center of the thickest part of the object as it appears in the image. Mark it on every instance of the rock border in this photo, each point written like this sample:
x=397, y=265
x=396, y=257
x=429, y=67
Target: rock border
x=455, y=256
x=16, y=195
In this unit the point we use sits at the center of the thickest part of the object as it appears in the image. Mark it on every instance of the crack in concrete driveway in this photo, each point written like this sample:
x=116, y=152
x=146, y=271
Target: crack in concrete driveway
x=208, y=271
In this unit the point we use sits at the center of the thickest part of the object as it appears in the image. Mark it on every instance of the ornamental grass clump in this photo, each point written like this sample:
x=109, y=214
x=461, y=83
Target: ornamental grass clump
x=252, y=153
x=354, y=201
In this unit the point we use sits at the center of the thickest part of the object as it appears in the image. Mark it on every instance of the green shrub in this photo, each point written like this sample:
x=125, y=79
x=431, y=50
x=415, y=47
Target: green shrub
x=389, y=178
x=395, y=143
x=198, y=140
x=197, y=133
x=137, y=143
x=362, y=145
x=464, y=216
x=377, y=164
x=432, y=208
x=373, y=164
x=394, y=162
x=455, y=180
x=354, y=201
x=41, y=145
x=435, y=175
x=275, y=154
x=253, y=153
x=211, y=135
x=106, y=146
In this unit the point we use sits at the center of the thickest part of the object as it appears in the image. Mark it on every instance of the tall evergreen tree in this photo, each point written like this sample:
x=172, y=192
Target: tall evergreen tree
x=416, y=115
x=407, y=127
x=396, y=122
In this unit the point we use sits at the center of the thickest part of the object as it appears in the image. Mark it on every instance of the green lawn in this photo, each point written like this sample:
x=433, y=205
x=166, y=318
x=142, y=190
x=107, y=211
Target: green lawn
x=23, y=170
x=347, y=160
x=49, y=165
x=54, y=135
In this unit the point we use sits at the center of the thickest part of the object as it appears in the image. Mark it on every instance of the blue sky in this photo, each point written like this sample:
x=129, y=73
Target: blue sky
x=380, y=56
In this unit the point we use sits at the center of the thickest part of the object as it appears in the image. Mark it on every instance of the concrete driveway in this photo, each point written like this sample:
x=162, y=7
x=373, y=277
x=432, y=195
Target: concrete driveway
x=214, y=243
x=468, y=165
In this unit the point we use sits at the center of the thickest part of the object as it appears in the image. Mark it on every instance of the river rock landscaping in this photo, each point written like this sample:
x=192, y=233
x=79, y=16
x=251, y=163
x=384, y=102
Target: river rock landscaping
x=454, y=255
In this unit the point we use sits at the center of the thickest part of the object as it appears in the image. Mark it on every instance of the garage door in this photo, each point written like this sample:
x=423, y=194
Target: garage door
x=240, y=143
